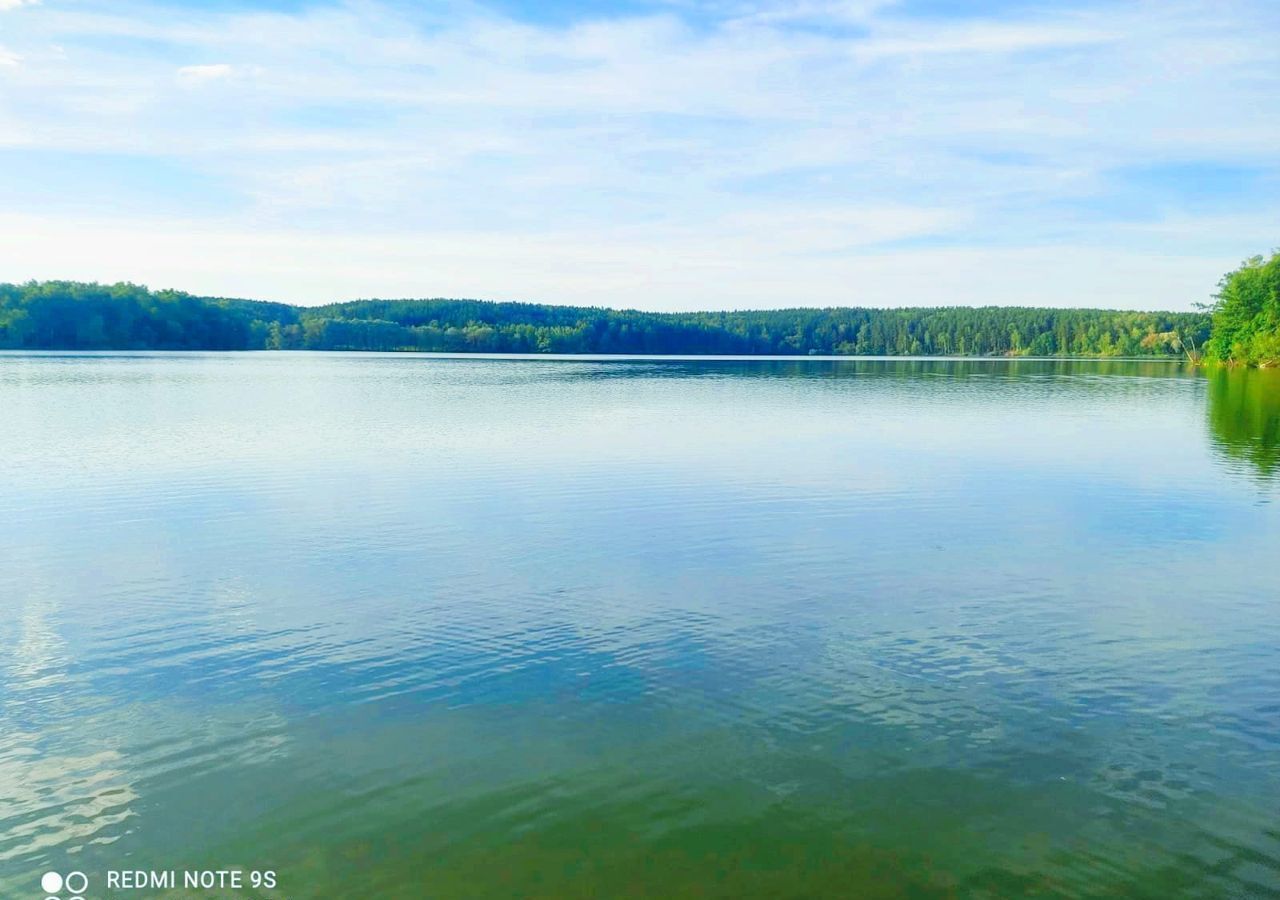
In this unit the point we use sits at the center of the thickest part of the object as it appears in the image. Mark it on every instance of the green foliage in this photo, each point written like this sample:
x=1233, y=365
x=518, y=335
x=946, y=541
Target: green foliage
x=1246, y=314
x=69, y=315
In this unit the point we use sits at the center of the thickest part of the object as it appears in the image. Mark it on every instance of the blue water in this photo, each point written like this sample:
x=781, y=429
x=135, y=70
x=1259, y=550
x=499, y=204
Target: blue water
x=406, y=626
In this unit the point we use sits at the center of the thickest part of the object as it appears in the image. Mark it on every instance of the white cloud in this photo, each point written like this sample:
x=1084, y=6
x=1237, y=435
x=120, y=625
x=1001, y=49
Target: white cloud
x=782, y=144
x=9, y=60
x=645, y=268
x=204, y=73
x=6, y=5
x=986, y=38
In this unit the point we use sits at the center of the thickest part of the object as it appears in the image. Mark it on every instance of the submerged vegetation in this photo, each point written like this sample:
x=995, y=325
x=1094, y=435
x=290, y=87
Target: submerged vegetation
x=64, y=315
x=1246, y=314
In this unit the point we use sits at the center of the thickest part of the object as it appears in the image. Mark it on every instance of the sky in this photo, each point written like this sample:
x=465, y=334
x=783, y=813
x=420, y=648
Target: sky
x=667, y=155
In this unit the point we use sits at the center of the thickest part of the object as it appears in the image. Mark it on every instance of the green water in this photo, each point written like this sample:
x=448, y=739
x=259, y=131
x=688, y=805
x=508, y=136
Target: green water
x=403, y=626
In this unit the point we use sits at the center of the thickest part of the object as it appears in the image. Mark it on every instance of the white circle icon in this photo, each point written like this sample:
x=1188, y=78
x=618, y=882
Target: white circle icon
x=83, y=885
x=51, y=882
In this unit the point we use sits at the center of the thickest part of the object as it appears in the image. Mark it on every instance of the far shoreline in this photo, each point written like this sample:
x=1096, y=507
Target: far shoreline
x=591, y=357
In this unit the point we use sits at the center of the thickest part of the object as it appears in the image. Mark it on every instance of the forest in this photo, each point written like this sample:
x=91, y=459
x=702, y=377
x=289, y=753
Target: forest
x=1246, y=314
x=66, y=315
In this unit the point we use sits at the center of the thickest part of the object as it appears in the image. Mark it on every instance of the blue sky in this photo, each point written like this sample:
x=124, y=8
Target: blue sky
x=662, y=155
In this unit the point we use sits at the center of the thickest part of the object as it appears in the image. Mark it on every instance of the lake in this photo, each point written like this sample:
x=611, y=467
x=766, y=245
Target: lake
x=415, y=626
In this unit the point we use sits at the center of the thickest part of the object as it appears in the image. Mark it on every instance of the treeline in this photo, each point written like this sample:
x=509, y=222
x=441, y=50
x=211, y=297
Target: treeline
x=1246, y=314
x=68, y=315
x=61, y=315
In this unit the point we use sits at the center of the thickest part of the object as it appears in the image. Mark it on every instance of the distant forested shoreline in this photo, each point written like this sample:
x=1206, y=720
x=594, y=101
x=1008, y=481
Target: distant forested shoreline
x=65, y=315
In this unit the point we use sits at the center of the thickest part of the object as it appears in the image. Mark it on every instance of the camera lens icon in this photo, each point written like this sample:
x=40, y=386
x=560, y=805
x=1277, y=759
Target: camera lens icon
x=52, y=884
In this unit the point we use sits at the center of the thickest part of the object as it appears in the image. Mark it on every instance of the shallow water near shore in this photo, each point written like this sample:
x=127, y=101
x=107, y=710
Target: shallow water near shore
x=409, y=625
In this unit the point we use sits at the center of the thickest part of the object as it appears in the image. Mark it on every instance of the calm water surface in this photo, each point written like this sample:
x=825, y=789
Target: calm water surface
x=401, y=626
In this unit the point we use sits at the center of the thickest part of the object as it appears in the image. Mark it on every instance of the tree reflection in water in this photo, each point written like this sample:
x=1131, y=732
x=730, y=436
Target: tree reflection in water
x=1244, y=417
